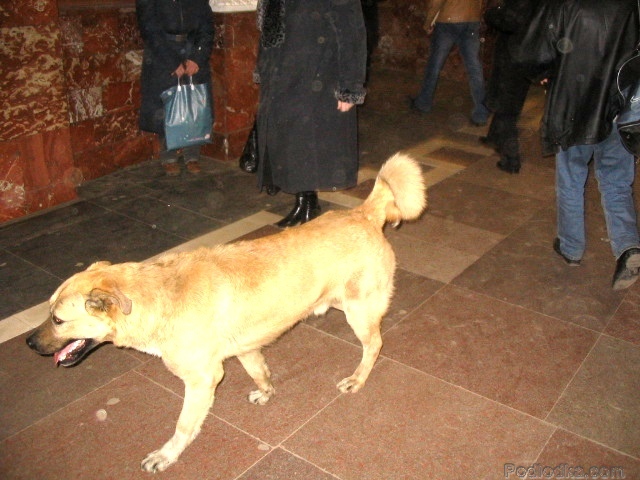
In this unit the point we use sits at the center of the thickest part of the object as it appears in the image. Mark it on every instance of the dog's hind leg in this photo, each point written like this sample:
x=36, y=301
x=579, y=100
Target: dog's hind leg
x=366, y=326
x=198, y=398
x=256, y=366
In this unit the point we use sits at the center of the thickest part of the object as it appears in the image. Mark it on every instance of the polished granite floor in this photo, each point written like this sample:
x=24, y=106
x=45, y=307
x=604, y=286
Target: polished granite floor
x=498, y=359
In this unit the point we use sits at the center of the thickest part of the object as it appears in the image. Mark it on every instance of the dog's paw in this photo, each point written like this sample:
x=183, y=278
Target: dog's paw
x=156, y=462
x=258, y=397
x=350, y=385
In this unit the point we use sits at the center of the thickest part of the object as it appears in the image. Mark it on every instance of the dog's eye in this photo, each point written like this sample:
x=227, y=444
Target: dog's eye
x=56, y=320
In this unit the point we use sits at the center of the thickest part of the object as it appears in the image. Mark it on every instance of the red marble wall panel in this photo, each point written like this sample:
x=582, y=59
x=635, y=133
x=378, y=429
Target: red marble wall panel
x=235, y=94
x=116, y=127
x=27, y=12
x=82, y=135
x=32, y=90
x=12, y=184
x=36, y=172
x=130, y=152
x=121, y=95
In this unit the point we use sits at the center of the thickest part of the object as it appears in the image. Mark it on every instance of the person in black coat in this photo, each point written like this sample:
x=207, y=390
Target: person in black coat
x=178, y=39
x=508, y=85
x=311, y=69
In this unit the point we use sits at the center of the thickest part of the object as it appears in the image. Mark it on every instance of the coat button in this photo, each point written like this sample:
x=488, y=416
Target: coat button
x=316, y=85
x=321, y=40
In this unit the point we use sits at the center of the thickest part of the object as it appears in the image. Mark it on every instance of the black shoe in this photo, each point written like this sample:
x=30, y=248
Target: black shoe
x=305, y=209
x=272, y=190
x=569, y=261
x=627, y=269
x=415, y=108
x=509, y=164
x=249, y=159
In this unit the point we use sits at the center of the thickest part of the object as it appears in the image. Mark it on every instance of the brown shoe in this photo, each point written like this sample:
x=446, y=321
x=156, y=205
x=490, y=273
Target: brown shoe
x=193, y=167
x=172, y=169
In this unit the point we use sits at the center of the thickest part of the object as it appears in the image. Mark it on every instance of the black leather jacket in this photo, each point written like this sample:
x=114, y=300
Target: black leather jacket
x=578, y=46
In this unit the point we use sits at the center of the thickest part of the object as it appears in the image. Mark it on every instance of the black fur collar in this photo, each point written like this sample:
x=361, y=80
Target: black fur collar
x=271, y=22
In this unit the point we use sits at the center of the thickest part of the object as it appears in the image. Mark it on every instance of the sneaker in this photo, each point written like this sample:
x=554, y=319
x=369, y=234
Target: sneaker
x=627, y=269
x=556, y=248
x=172, y=169
x=193, y=167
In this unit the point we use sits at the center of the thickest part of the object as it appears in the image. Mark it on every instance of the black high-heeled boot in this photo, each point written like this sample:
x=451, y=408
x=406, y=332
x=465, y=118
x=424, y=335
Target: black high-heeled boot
x=306, y=208
x=249, y=159
x=509, y=164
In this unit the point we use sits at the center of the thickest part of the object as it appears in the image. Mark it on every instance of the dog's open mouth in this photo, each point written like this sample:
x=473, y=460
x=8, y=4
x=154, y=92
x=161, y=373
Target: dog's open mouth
x=73, y=352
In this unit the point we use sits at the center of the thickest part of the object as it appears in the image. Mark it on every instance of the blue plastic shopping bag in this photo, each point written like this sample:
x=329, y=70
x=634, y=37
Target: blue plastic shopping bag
x=187, y=115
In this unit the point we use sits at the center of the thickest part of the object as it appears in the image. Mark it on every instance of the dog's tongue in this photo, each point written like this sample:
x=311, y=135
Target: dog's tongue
x=62, y=354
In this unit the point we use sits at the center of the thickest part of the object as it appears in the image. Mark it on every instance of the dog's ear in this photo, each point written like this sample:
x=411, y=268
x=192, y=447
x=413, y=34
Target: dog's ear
x=103, y=300
x=96, y=265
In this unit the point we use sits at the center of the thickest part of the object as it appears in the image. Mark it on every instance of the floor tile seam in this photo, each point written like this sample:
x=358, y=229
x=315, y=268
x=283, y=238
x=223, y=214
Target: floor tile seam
x=409, y=313
x=611, y=319
x=489, y=233
x=461, y=388
x=618, y=339
x=306, y=460
x=154, y=381
x=527, y=309
x=27, y=261
x=65, y=406
x=279, y=444
x=600, y=444
x=544, y=446
x=320, y=410
x=573, y=377
x=154, y=226
x=162, y=201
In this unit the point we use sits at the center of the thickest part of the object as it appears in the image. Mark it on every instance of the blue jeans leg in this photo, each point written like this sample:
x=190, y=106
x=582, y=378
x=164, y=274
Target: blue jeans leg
x=442, y=41
x=572, y=169
x=469, y=46
x=615, y=171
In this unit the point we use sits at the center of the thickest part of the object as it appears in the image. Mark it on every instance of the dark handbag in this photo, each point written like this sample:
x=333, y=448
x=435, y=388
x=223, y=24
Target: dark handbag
x=249, y=159
x=628, y=119
x=188, y=116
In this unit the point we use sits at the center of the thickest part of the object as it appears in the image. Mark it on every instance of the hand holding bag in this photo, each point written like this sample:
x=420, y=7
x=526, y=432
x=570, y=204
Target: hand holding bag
x=188, y=117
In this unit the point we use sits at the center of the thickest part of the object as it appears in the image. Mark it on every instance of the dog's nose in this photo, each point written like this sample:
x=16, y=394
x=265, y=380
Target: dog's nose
x=31, y=343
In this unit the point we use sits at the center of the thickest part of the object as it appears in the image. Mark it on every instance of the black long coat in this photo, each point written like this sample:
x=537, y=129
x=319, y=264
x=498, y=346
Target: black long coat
x=161, y=24
x=579, y=45
x=312, y=54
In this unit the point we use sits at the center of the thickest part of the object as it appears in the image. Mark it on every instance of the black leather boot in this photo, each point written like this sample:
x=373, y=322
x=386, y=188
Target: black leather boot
x=306, y=208
x=249, y=159
x=509, y=164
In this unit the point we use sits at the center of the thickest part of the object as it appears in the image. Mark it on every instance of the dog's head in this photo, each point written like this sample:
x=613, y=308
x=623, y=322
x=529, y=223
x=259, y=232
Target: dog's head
x=83, y=313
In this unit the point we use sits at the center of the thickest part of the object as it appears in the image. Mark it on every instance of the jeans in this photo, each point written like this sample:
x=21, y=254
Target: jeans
x=190, y=154
x=614, y=169
x=466, y=36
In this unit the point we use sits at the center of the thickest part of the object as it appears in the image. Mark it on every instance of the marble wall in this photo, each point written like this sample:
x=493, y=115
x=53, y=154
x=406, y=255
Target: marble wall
x=36, y=162
x=69, y=87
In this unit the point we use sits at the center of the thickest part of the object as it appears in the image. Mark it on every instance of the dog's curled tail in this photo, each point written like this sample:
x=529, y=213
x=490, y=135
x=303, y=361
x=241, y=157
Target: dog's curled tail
x=399, y=192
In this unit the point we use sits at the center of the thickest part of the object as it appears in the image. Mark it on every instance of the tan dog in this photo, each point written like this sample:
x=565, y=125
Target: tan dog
x=195, y=309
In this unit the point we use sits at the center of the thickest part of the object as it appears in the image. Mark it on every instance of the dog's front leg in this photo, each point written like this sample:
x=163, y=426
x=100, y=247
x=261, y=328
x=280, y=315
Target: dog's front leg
x=198, y=398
